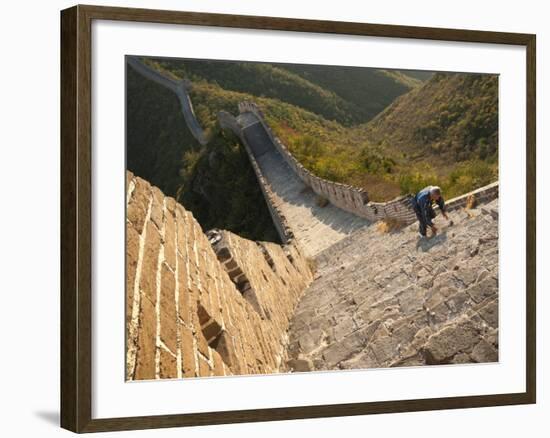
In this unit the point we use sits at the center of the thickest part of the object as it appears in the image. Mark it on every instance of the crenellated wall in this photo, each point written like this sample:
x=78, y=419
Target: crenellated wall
x=227, y=121
x=216, y=304
x=193, y=311
x=291, y=191
x=349, y=198
x=353, y=199
x=482, y=195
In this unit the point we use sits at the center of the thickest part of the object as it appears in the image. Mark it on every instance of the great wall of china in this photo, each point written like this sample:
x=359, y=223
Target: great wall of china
x=337, y=294
x=180, y=88
x=291, y=191
x=198, y=305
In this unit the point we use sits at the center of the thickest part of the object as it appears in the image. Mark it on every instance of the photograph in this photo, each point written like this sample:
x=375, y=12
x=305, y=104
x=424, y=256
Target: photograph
x=285, y=218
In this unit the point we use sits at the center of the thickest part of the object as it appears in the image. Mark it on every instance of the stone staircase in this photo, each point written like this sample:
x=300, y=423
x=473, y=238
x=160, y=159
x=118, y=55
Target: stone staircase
x=314, y=227
x=378, y=299
x=392, y=299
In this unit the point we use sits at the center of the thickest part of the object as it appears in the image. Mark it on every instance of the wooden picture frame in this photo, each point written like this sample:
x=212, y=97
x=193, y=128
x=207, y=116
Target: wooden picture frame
x=76, y=218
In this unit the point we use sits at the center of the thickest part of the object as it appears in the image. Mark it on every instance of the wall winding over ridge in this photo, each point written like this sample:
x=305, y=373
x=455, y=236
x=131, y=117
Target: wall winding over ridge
x=193, y=311
x=218, y=304
x=181, y=88
x=287, y=220
x=353, y=199
x=227, y=121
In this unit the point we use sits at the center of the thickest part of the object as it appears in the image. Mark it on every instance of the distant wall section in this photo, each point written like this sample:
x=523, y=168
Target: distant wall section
x=181, y=88
x=227, y=121
x=353, y=199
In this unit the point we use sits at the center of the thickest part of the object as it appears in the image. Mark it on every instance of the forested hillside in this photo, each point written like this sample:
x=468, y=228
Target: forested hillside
x=447, y=130
x=348, y=95
x=156, y=134
x=368, y=90
x=454, y=116
x=328, y=148
x=391, y=132
x=421, y=75
x=215, y=182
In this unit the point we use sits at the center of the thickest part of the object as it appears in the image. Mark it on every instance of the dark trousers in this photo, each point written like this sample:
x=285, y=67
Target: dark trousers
x=422, y=225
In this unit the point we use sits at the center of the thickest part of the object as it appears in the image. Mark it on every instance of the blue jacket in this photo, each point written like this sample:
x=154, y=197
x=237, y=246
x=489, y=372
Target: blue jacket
x=423, y=203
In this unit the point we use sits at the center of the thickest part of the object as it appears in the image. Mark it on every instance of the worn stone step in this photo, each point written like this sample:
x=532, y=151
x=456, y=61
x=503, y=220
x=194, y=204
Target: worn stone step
x=412, y=301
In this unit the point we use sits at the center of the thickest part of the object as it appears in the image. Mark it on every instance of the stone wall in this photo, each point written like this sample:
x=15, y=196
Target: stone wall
x=227, y=121
x=192, y=311
x=482, y=195
x=216, y=304
x=349, y=198
x=353, y=199
x=180, y=88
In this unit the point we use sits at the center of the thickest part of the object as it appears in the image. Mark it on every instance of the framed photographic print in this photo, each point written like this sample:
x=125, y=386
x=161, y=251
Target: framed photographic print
x=269, y=218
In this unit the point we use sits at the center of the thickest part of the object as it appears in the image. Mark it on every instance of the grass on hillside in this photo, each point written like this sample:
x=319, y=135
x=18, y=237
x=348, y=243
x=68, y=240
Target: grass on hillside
x=342, y=154
x=369, y=90
x=413, y=143
x=348, y=95
x=216, y=182
x=453, y=116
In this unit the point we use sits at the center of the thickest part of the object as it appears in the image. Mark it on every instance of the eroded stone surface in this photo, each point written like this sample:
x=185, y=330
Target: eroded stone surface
x=377, y=300
x=383, y=300
x=187, y=314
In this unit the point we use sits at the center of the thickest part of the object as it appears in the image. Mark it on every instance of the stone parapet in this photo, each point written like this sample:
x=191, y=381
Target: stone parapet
x=483, y=195
x=196, y=311
x=227, y=121
x=180, y=88
x=353, y=199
